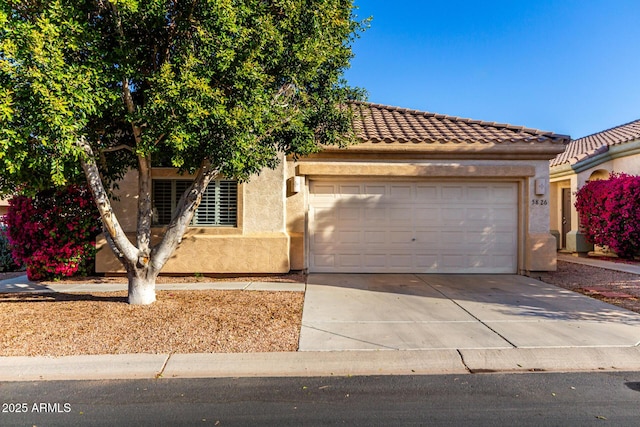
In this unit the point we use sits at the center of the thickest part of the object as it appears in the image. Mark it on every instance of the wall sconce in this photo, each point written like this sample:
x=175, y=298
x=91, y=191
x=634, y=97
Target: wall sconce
x=541, y=187
x=297, y=182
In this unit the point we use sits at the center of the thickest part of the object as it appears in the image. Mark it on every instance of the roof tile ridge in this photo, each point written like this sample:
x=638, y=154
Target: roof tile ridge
x=395, y=108
x=637, y=121
x=519, y=129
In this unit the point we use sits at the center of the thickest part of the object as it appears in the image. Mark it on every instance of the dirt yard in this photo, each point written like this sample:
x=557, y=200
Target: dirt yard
x=178, y=322
x=614, y=287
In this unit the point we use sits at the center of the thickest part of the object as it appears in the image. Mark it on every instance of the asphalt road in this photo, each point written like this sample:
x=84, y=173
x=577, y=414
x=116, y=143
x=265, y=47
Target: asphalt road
x=483, y=399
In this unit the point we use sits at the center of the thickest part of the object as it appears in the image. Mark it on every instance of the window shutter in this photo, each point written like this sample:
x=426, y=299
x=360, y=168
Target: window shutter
x=219, y=205
x=162, y=201
x=227, y=203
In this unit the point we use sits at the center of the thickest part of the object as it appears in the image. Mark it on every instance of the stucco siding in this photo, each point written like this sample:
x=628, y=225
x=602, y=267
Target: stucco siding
x=259, y=243
x=264, y=202
x=4, y=206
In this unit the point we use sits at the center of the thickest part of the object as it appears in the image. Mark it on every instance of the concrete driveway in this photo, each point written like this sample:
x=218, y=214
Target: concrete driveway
x=419, y=311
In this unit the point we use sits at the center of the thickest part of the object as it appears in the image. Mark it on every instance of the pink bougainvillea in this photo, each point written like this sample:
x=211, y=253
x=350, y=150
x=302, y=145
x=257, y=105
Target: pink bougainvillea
x=53, y=234
x=609, y=213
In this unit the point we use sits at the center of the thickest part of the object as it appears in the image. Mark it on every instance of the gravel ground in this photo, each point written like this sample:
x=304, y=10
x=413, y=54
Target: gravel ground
x=615, y=287
x=208, y=321
x=178, y=322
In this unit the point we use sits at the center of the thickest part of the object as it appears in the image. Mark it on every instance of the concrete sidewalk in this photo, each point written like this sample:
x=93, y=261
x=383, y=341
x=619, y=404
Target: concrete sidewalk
x=22, y=284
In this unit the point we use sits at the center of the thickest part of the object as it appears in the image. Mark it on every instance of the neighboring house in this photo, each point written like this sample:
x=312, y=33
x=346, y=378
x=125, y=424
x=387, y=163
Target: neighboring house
x=591, y=157
x=421, y=193
x=4, y=207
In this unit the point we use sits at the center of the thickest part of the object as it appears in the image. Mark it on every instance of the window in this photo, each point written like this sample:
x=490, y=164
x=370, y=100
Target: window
x=219, y=205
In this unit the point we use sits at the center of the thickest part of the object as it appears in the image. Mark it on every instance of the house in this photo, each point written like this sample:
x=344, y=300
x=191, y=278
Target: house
x=4, y=207
x=591, y=157
x=420, y=192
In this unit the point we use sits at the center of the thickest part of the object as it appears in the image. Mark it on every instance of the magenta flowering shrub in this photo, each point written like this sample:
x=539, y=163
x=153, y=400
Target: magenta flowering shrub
x=53, y=234
x=609, y=213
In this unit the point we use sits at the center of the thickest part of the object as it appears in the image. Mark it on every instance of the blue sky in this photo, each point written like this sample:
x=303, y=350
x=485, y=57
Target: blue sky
x=567, y=66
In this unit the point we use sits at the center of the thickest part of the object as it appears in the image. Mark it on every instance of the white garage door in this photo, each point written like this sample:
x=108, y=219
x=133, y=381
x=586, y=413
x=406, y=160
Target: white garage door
x=413, y=227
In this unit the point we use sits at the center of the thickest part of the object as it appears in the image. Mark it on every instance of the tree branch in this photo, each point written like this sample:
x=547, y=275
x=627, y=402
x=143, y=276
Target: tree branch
x=116, y=236
x=185, y=210
x=117, y=148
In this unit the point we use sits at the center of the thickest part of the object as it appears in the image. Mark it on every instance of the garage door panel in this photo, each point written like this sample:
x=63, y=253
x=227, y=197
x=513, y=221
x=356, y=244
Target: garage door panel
x=504, y=216
x=451, y=216
x=450, y=193
x=326, y=190
x=453, y=261
x=427, y=262
x=349, y=237
x=413, y=227
x=373, y=214
x=401, y=261
x=452, y=238
x=403, y=213
x=480, y=214
x=504, y=239
x=349, y=189
x=348, y=260
x=479, y=193
x=479, y=237
x=323, y=261
x=374, y=237
x=427, y=192
x=324, y=237
x=374, y=189
x=505, y=194
x=400, y=192
x=431, y=237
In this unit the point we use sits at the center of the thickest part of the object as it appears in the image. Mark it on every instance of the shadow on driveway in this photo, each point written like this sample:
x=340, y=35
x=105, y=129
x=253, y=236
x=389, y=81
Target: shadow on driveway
x=420, y=311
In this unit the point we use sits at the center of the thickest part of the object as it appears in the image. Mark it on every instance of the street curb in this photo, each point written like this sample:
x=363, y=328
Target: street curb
x=100, y=367
x=552, y=359
x=315, y=364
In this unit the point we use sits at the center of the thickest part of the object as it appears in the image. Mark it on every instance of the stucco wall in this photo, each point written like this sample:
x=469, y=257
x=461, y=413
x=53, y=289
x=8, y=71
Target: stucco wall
x=4, y=206
x=628, y=164
x=296, y=202
x=125, y=204
x=264, y=201
x=259, y=244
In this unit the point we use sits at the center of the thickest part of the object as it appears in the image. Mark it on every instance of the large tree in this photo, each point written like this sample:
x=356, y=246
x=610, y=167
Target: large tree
x=212, y=87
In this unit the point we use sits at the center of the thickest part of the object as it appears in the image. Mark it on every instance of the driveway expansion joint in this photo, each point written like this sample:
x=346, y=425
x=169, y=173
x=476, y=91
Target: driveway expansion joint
x=466, y=311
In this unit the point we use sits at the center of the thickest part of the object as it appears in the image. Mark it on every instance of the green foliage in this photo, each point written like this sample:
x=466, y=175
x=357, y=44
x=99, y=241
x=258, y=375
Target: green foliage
x=6, y=260
x=232, y=82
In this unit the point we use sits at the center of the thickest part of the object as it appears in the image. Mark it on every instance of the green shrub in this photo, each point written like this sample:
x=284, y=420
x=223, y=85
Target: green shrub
x=6, y=260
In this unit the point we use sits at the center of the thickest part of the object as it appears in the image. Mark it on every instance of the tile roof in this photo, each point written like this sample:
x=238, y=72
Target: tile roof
x=592, y=145
x=375, y=123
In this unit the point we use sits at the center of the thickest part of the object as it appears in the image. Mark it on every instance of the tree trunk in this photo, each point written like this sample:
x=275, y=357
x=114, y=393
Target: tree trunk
x=142, y=287
x=142, y=261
